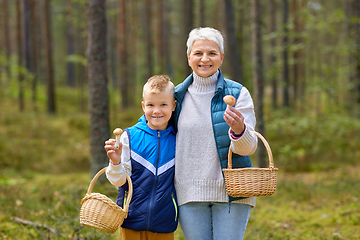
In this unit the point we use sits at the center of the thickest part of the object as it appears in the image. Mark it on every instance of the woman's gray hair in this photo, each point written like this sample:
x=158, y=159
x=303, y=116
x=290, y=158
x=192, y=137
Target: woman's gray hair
x=205, y=33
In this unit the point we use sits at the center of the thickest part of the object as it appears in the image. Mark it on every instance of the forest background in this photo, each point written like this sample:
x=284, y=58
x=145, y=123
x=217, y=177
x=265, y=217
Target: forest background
x=71, y=71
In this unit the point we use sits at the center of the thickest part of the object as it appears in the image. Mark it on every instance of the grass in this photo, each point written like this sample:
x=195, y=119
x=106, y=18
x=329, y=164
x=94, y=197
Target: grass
x=321, y=205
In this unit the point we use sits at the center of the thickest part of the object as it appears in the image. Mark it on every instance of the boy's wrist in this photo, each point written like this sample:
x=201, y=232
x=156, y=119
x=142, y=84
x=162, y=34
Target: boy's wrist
x=114, y=162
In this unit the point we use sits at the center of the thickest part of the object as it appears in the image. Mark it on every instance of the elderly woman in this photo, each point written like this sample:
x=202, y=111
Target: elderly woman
x=206, y=128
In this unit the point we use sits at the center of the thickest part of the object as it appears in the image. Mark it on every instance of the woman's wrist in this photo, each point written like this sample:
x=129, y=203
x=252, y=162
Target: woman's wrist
x=237, y=136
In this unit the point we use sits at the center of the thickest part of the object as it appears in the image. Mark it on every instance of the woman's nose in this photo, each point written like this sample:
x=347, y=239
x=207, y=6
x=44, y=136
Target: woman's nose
x=204, y=57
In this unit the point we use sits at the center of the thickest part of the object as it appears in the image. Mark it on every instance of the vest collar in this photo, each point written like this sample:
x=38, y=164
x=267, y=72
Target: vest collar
x=182, y=88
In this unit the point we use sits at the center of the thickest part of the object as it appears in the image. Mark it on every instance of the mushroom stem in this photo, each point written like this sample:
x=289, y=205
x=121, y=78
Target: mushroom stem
x=117, y=132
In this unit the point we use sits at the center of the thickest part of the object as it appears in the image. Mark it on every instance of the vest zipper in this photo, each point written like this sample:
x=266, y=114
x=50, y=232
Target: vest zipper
x=155, y=181
x=176, y=209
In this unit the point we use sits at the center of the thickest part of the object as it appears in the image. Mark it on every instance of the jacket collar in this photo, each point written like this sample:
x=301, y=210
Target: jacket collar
x=143, y=124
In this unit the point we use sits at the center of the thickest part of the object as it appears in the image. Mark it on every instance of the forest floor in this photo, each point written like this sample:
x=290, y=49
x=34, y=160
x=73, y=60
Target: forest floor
x=316, y=205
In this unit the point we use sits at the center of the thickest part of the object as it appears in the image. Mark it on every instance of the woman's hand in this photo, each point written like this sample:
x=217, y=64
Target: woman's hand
x=235, y=120
x=114, y=155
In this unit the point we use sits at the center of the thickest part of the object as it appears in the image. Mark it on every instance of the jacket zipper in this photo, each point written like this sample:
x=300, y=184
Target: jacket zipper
x=155, y=181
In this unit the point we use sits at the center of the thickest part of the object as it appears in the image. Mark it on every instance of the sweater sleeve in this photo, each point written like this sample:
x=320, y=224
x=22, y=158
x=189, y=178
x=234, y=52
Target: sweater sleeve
x=116, y=174
x=247, y=143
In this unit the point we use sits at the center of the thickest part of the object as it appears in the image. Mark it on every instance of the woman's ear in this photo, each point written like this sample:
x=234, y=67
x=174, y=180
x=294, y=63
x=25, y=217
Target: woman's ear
x=174, y=105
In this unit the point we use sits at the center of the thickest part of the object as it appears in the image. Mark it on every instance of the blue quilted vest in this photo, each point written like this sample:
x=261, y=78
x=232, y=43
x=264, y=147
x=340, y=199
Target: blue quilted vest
x=153, y=206
x=218, y=106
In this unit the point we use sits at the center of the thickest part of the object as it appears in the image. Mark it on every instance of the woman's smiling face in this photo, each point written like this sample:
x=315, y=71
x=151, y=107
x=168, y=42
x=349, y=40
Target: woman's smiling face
x=205, y=57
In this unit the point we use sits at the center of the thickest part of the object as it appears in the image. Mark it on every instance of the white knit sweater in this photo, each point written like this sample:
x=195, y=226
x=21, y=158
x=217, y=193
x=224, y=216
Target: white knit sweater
x=198, y=175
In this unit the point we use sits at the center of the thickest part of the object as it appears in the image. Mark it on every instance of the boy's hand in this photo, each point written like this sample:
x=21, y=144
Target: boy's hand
x=114, y=155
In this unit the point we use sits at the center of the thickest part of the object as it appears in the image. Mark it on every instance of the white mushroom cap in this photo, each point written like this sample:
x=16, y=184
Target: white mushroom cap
x=118, y=131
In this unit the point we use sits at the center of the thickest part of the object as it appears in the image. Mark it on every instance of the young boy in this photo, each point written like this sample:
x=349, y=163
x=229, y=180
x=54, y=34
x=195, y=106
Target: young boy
x=147, y=154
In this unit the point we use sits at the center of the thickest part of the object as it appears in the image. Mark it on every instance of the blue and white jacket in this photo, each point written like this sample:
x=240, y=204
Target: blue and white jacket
x=153, y=206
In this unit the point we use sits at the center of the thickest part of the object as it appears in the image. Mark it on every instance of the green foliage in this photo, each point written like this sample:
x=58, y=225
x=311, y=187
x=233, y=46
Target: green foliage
x=40, y=142
x=322, y=205
x=305, y=143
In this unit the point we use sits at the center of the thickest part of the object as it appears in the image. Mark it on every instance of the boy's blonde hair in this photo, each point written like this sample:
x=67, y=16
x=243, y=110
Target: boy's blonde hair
x=158, y=84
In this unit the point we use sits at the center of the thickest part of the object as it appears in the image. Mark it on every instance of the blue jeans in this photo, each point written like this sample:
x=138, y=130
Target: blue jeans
x=214, y=221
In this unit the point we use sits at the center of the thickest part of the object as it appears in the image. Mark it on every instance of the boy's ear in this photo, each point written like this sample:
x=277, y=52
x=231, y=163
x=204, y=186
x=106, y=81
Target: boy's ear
x=143, y=105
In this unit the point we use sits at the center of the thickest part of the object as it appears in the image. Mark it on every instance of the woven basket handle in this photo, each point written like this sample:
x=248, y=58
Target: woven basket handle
x=271, y=161
x=92, y=183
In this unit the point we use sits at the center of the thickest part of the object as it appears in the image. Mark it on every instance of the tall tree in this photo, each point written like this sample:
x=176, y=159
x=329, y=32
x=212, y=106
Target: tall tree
x=273, y=62
x=123, y=55
x=188, y=22
x=26, y=33
x=167, y=28
x=70, y=67
x=98, y=92
x=355, y=75
x=235, y=68
x=296, y=52
x=258, y=77
x=300, y=54
x=202, y=13
x=51, y=105
x=33, y=48
x=285, y=45
x=19, y=40
x=148, y=39
x=160, y=35
x=6, y=37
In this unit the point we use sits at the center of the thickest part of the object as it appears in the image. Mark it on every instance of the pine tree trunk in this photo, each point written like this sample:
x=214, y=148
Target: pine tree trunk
x=160, y=35
x=70, y=66
x=98, y=92
x=123, y=55
x=235, y=69
x=148, y=39
x=258, y=78
x=19, y=41
x=34, y=49
x=6, y=38
x=188, y=19
x=286, y=80
x=273, y=62
x=51, y=108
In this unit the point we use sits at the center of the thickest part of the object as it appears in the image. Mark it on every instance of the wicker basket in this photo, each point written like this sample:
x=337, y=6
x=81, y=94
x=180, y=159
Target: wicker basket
x=251, y=182
x=100, y=212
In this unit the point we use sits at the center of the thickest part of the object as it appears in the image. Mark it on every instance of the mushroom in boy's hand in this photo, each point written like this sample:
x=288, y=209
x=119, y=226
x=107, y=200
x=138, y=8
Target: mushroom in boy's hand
x=117, y=132
x=229, y=100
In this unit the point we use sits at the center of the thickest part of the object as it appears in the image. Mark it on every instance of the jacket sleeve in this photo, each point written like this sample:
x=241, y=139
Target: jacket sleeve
x=247, y=143
x=116, y=174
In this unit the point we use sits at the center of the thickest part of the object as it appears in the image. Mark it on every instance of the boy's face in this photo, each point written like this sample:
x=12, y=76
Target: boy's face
x=158, y=108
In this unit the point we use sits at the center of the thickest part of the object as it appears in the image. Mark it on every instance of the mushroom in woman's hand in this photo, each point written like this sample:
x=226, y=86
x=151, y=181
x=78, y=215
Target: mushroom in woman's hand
x=117, y=132
x=229, y=100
